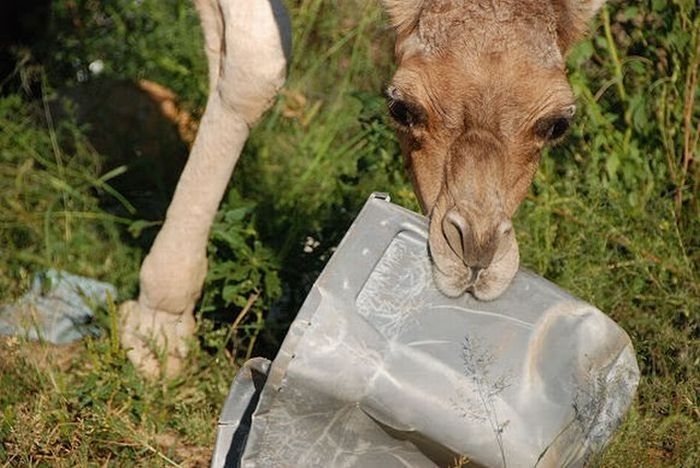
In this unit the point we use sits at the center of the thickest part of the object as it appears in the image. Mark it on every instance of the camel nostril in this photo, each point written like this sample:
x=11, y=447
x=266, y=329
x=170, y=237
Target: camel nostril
x=454, y=228
x=475, y=252
x=458, y=221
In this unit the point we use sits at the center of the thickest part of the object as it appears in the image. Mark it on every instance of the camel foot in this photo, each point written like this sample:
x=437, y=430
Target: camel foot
x=156, y=341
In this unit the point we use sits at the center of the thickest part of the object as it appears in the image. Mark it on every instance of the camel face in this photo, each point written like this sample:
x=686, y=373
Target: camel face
x=479, y=90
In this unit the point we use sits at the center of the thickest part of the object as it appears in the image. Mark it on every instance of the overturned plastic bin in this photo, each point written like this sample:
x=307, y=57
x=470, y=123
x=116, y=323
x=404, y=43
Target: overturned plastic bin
x=380, y=369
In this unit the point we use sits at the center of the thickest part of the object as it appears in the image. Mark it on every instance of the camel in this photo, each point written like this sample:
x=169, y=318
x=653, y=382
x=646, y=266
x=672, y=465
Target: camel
x=479, y=91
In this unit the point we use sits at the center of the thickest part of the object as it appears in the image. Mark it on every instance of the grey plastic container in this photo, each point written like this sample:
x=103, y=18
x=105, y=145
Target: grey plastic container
x=380, y=369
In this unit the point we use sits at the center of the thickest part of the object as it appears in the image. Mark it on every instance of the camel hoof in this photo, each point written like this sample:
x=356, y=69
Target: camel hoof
x=156, y=341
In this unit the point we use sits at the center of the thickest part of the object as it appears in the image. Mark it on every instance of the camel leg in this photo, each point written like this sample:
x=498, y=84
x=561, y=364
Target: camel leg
x=247, y=44
x=213, y=30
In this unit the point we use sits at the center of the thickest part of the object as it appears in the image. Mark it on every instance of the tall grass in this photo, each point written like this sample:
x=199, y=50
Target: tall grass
x=613, y=216
x=50, y=215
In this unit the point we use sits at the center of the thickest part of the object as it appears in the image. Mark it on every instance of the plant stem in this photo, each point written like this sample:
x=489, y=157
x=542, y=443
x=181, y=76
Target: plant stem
x=617, y=65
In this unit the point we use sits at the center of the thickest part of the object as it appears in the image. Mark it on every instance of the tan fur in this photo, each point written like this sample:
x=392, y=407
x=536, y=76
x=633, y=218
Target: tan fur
x=485, y=74
x=403, y=13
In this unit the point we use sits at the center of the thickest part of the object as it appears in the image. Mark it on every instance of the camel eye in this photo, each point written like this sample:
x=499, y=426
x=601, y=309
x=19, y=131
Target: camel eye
x=558, y=128
x=400, y=112
x=405, y=114
x=552, y=128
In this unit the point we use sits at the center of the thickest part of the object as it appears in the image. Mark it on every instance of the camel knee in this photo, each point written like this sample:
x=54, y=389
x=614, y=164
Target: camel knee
x=170, y=283
x=257, y=39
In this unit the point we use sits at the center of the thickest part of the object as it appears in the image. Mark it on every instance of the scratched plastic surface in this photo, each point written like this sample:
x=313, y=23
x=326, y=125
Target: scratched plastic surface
x=379, y=369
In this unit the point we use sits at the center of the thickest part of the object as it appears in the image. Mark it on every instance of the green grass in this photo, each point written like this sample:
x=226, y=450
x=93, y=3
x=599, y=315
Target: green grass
x=613, y=216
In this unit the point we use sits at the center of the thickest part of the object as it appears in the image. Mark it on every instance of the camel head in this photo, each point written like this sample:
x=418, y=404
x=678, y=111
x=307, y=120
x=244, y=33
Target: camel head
x=480, y=89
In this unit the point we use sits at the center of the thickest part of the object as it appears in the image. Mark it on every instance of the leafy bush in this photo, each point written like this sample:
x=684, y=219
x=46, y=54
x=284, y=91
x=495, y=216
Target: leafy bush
x=158, y=40
x=242, y=281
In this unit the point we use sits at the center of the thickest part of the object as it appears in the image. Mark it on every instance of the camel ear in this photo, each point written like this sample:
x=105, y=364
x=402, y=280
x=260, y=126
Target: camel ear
x=573, y=17
x=403, y=13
